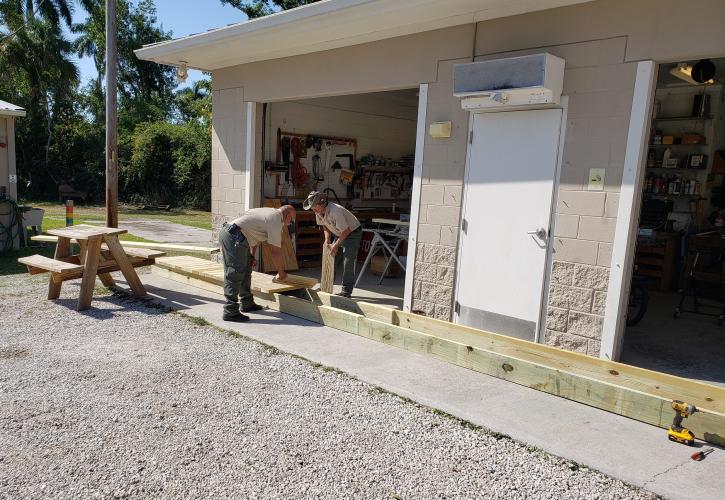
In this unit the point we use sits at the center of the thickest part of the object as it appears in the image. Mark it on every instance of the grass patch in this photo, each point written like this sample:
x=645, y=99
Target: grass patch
x=193, y=218
x=52, y=222
x=198, y=321
x=9, y=260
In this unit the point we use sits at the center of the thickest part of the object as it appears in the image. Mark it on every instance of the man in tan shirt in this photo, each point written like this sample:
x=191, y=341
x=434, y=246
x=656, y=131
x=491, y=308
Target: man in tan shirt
x=238, y=241
x=339, y=222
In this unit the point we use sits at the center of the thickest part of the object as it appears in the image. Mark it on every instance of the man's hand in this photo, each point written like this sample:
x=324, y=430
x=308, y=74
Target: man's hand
x=333, y=249
x=253, y=263
x=280, y=276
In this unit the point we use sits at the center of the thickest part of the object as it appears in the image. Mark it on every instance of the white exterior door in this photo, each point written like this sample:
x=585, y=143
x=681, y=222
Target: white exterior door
x=504, y=239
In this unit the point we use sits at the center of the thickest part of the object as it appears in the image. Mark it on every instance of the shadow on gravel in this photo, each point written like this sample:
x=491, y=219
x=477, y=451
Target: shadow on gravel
x=72, y=303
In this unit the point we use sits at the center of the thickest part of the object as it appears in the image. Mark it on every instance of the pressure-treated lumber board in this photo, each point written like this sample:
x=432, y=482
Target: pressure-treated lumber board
x=38, y=264
x=635, y=378
x=626, y=390
x=640, y=405
x=327, y=277
x=288, y=254
x=213, y=272
x=369, y=310
x=143, y=244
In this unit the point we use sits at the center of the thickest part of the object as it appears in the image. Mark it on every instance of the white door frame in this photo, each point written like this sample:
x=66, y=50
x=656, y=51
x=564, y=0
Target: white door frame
x=564, y=106
x=415, y=196
x=250, y=165
x=630, y=197
x=539, y=338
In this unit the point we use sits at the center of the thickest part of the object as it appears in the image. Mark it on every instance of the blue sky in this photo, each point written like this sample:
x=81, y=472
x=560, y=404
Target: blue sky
x=182, y=17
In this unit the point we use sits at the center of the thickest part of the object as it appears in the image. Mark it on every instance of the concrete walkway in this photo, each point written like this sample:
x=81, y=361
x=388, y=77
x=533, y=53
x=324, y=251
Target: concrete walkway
x=626, y=449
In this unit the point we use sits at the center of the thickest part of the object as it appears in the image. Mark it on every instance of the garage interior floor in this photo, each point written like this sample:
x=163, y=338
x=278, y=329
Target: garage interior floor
x=691, y=346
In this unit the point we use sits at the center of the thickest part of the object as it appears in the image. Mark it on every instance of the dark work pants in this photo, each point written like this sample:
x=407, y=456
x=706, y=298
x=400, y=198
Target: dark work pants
x=237, y=272
x=345, y=259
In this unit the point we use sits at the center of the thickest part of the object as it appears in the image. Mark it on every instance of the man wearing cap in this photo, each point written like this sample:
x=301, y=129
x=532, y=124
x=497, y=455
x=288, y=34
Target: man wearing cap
x=337, y=221
x=238, y=241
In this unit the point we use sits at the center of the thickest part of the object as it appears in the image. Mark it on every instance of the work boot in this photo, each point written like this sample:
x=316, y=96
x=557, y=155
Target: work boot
x=347, y=295
x=236, y=318
x=251, y=308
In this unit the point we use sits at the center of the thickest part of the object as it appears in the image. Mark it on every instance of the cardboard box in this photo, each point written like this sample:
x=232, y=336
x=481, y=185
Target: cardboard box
x=692, y=139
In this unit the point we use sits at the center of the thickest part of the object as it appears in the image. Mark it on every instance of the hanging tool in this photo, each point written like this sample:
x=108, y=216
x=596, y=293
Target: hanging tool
x=676, y=432
x=700, y=455
x=299, y=172
x=316, y=167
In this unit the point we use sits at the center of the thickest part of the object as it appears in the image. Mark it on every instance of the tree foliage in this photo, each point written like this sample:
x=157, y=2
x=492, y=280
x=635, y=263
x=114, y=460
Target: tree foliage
x=164, y=135
x=170, y=164
x=259, y=8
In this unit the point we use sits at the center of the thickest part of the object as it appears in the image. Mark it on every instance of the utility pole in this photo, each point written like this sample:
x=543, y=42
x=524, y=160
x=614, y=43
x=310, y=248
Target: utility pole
x=111, y=117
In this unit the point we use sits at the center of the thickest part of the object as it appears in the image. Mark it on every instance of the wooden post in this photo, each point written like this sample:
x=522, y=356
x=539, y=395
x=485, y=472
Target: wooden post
x=68, y=213
x=111, y=120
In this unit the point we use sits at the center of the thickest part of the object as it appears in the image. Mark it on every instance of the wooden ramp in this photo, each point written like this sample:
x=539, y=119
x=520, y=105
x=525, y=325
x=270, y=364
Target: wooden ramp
x=212, y=273
x=626, y=390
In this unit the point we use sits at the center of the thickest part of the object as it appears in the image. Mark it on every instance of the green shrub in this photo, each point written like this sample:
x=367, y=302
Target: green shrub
x=170, y=164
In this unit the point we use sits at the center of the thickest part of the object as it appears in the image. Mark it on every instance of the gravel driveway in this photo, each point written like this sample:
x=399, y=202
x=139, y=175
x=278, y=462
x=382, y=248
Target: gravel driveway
x=126, y=400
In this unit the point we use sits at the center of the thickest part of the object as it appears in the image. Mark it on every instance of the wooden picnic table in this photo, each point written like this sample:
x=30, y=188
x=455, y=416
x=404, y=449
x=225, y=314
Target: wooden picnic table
x=100, y=254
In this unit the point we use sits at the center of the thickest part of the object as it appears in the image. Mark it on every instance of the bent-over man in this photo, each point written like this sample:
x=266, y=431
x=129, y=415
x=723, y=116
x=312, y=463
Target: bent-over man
x=238, y=241
x=337, y=221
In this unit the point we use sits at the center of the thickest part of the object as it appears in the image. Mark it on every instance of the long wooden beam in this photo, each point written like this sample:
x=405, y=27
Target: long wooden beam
x=46, y=238
x=626, y=390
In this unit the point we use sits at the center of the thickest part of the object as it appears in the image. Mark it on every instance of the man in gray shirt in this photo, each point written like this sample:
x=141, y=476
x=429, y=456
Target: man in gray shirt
x=238, y=241
x=337, y=221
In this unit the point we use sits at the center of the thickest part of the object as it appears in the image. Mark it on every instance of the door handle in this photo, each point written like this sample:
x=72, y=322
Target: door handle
x=540, y=233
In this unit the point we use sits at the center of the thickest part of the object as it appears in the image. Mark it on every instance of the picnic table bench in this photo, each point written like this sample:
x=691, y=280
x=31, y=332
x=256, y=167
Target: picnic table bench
x=100, y=254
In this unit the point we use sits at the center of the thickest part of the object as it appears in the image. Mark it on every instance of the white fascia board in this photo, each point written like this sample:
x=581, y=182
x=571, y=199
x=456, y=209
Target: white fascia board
x=330, y=24
x=9, y=109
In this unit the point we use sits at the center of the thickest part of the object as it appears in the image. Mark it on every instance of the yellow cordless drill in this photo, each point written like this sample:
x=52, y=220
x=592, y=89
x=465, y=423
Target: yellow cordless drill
x=676, y=432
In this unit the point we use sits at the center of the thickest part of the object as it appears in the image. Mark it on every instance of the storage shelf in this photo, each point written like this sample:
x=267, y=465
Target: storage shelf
x=678, y=169
x=669, y=195
x=681, y=118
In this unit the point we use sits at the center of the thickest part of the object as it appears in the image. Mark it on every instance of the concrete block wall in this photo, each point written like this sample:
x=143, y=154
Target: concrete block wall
x=229, y=124
x=600, y=88
x=444, y=162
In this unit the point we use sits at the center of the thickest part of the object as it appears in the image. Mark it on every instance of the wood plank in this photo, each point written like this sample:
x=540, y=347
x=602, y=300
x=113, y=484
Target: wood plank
x=85, y=231
x=126, y=268
x=372, y=311
x=213, y=272
x=288, y=254
x=635, y=378
x=144, y=244
x=62, y=249
x=38, y=264
x=144, y=253
x=90, y=266
x=327, y=278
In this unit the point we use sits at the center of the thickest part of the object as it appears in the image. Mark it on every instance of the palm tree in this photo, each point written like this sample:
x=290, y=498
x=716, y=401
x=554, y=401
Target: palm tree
x=36, y=54
x=50, y=10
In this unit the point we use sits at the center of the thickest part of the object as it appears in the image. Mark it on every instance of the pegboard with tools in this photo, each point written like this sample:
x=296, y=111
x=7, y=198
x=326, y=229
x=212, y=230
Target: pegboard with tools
x=308, y=161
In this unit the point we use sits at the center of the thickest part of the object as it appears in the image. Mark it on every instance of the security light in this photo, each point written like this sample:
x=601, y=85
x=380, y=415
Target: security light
x=182, y=73
x=683, y=71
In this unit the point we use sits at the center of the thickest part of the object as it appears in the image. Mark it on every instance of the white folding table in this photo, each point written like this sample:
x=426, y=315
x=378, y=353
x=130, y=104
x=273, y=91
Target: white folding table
x=400, y=234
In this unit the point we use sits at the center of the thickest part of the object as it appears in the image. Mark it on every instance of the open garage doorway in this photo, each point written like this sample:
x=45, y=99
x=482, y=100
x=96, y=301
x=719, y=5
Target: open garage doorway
x=359, y=150
x=676, y=316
